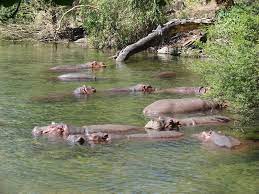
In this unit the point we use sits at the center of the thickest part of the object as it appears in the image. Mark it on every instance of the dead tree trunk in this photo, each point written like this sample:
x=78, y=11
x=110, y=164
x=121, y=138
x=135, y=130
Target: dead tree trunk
x=167, y=30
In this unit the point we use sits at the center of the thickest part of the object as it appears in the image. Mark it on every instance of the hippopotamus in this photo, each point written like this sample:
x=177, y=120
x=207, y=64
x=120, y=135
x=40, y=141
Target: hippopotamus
x=77, y=77
x=175, y=106
x=152, y=134
x=80, y=67
x=137, y=88
x=166, y=74
x=70, y=133
x=112, y=128
x=99, y=133
x=84, y=90
x=184, y=90
x=168, y=123
x=218, y=139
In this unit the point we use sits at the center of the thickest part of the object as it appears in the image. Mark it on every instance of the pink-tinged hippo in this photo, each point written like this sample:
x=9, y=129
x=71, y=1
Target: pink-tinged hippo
x=184, y=90
x=218, y=139
x=175, y=106
x=100, y=133
x=70, y=133
x=166, y=74
x=145, y=88
x=84, y=90
x=168, y=123
x=80, y=67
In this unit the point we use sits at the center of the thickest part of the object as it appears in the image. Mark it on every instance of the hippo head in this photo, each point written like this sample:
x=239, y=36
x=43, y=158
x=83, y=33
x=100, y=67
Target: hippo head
x=203, y=90
x=52, y=130
x=206, y=136
x=163, y=124
x=98, y=137
x=84, y=90
x=143, y=88
x=219, y=139
x=98, y=65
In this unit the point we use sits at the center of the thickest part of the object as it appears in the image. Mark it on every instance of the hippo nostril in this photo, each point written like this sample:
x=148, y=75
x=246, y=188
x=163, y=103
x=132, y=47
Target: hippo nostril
x=80, y=140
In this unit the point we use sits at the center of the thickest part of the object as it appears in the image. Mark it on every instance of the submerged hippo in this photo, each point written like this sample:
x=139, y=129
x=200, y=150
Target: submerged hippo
x=151, y=134
x=163, y=124
x=75, y=68
x=69, y=133
x=84, y=90
x=166, y=74
x=77, y=77
x=184, y=90
x=112, y=128
x=168, y=123
x=99, y=133
x=137, y=88
x=218, y=139
x=174, y=106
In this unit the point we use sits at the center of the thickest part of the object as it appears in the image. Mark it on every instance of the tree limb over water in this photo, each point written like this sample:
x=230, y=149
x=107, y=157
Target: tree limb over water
x=156, y=37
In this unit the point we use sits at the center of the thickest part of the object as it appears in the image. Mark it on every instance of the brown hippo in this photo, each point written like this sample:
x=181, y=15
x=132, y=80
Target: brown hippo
x=145, y=88
x=174, y=106
x=84, y=90
x=218, y=139
x=75, y=68
x=168, y=123
x=184, y=90
x=166, y=74
x=69, y=133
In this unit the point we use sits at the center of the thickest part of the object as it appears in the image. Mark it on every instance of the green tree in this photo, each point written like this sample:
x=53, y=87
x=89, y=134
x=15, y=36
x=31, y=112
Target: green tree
x=232, y=69
x=116, y=23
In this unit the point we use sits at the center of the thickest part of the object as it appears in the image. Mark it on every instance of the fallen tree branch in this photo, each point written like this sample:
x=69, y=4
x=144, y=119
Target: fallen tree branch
x=167, y=30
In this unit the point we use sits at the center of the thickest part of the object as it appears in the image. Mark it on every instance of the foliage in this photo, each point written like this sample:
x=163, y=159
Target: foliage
x=8, y=3
x=232, y=70
x=116, y=23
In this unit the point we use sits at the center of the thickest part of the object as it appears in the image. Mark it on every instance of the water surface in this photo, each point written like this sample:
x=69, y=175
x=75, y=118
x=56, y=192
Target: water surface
x=31, y=165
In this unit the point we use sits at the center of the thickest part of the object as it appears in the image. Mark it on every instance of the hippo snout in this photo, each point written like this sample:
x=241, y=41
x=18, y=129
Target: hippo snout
x=37, y=131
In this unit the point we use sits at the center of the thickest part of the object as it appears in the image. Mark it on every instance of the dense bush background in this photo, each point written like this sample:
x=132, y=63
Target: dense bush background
x=232, y=69
x=116, y=23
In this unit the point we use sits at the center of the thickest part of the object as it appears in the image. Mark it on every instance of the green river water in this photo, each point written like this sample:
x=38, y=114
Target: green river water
x=30, y=165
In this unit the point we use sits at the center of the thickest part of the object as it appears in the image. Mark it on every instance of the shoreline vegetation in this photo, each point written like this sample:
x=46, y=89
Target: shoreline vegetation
x=230, y=44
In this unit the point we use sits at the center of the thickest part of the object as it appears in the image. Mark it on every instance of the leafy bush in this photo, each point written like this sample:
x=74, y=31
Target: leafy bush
x=232, y=69
x=116, y=23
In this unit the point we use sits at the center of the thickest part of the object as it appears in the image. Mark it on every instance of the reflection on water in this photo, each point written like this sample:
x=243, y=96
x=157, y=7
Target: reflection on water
x=41, y=166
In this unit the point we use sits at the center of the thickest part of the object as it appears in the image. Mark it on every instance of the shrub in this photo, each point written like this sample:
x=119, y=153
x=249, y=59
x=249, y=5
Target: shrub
x=116, y=23
x=232, y=69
